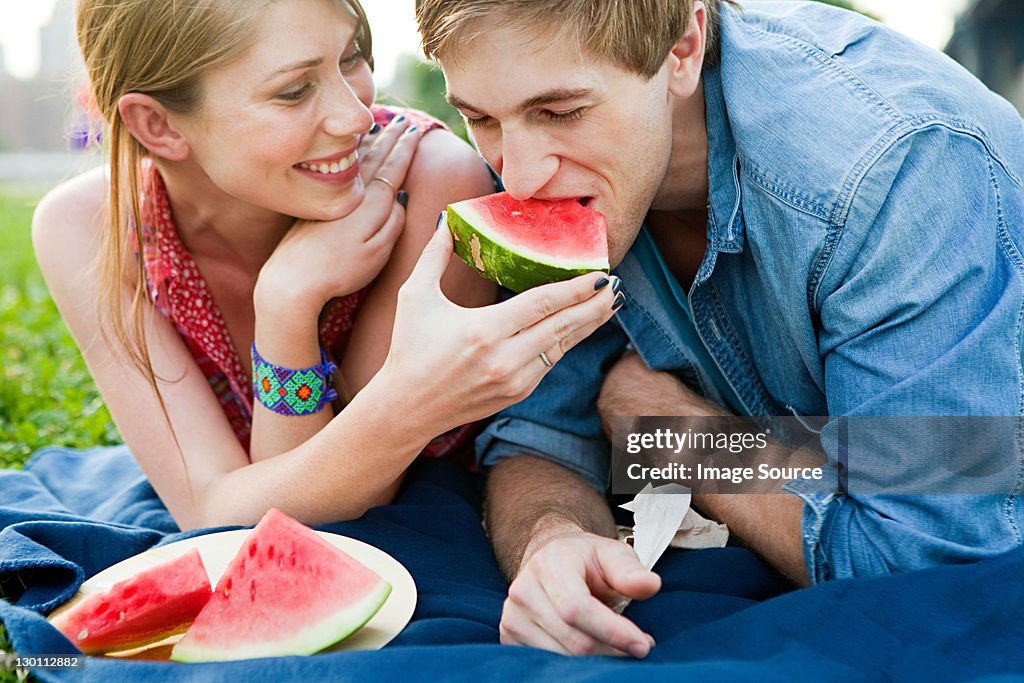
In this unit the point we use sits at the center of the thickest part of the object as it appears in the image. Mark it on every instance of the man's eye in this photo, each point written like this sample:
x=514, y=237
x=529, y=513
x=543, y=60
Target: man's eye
x=296, y=95
x=477, y=122
x=563, y=117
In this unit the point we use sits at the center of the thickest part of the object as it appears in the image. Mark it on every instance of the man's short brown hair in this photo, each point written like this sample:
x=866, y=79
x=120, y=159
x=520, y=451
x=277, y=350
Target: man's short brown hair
x=635, y=34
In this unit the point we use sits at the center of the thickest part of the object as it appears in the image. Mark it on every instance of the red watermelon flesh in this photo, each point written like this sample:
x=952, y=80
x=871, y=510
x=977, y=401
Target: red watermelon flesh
x=287, y=591
x=150, y=606
x=524, y=243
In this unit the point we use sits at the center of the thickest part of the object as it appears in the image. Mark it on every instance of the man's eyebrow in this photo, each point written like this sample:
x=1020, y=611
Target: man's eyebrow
x=544, y=98
x=295, y=66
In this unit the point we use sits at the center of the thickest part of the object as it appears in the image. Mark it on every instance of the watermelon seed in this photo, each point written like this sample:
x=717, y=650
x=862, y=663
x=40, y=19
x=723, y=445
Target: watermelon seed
x=120, y=617
x=252, y=550
x=84, y=634
x=103, y=608
x=130, y=592
x=227, y=588
x=270, y=552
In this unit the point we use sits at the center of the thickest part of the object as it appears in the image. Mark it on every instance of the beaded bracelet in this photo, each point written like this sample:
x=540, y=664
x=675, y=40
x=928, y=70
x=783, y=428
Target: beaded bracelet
x=293, y=392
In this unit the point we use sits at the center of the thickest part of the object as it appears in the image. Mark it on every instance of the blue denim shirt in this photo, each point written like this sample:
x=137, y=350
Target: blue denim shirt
x=865, y=225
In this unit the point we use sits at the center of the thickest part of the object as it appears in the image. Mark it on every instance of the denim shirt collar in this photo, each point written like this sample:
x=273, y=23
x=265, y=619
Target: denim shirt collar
x=726, y=229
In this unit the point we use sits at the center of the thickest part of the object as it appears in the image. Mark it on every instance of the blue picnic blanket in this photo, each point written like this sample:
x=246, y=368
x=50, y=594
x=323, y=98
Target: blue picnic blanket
x=722, y=615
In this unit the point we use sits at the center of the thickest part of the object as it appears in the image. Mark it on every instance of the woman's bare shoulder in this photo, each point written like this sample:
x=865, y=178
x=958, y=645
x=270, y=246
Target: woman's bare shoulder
x=71, y=211
x=70, y=216
x=444, y=162
x=66, y=230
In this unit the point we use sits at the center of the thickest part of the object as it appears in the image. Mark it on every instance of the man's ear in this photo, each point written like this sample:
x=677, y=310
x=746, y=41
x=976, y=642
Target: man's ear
x=148, y=122
x=686, y=58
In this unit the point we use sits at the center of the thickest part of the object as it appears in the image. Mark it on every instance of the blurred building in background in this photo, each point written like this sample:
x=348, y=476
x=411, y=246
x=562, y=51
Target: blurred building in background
x=989, y=41
x=35, y=111
x=38, y=116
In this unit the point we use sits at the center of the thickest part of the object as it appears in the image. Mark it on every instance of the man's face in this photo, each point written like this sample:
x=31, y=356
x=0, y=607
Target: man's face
x=556, y=125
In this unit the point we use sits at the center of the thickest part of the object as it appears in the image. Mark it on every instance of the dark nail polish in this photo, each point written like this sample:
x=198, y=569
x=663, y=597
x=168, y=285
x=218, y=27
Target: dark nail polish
x=600, y=284
x=399, y=119
x=375, y=129
x=617, y=285
x=403, y=198
x=620, y=299
x=411, y=130
x=442, y=218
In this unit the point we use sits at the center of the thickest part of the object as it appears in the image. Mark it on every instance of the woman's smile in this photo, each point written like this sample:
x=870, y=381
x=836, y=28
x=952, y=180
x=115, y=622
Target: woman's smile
x=339, y=169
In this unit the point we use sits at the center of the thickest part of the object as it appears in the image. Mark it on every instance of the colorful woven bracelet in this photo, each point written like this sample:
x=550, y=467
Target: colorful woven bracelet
x=293, y=392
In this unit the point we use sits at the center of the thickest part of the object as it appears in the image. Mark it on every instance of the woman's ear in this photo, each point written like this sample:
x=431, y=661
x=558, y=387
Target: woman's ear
x=148, y=122
x=686, y=58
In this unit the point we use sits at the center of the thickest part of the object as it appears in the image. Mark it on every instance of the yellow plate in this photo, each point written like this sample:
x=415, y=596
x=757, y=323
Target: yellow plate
x=217, y=550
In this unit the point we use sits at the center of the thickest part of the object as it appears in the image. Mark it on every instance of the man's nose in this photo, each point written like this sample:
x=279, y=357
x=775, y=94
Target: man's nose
x=344, y=113
x=526, y=164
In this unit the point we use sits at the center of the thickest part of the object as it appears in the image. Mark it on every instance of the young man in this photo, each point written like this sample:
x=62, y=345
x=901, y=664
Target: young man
x=839, y=211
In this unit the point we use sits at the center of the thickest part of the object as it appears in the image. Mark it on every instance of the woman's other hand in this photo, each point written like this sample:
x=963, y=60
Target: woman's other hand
x=457, y=365
x=319, y=260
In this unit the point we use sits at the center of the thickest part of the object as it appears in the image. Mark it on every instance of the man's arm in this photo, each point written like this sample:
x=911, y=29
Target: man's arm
x=551, y=533
x=768, y=523
x=531, y=501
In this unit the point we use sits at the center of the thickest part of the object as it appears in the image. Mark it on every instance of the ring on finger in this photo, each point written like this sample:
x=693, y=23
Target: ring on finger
x=544, y=359
x=394, y=190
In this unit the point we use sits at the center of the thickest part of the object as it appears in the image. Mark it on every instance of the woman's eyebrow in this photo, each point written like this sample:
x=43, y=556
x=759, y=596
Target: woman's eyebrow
x=295, y=66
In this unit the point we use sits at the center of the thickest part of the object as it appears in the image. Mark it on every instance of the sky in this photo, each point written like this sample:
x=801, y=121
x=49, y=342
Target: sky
x=394, y=29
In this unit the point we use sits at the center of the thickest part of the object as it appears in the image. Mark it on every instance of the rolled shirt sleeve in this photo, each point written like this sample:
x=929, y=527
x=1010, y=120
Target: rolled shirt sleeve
x=921, y=310
x=559, y=420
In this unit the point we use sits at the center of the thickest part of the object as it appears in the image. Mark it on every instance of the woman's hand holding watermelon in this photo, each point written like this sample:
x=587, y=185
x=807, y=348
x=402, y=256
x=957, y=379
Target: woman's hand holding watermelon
x=456, y=365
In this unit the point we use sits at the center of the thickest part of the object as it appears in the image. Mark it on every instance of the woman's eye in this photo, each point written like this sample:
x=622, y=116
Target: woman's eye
x=296, y=95
x=351, y=60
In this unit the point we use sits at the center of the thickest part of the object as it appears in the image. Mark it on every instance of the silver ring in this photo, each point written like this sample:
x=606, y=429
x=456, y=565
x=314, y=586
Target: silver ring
x=394, y=190
x=544, y=359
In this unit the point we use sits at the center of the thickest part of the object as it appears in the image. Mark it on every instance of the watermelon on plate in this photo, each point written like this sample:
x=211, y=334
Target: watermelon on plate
x=522, y=244
x=148, y=607
x=286, y=592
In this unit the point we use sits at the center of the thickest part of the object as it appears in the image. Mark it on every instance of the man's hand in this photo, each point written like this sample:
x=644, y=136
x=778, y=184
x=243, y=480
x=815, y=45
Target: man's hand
x=769, y=523
x=560, y=599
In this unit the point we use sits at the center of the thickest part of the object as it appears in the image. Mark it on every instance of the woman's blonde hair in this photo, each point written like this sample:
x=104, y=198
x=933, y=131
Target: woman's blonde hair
x=635, y=34
x=159, y=48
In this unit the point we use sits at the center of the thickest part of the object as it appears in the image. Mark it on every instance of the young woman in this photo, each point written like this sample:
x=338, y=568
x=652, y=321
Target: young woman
x=250, y=233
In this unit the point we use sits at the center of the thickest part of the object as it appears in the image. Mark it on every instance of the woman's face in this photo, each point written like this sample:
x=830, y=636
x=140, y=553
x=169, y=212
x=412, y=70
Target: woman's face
x=279, y=127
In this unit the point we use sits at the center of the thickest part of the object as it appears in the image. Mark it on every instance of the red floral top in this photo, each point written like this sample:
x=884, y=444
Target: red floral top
x=177, y=289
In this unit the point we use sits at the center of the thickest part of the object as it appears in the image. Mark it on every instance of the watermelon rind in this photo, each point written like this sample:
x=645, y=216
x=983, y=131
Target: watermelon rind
x=315, y=637
x=286, y=591
x=514, y=268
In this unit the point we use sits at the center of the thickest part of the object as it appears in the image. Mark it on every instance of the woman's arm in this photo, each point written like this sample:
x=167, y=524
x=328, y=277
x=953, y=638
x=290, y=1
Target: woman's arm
x=448, y=366
x=315, y=262
x=210, y=480
x=445, y=170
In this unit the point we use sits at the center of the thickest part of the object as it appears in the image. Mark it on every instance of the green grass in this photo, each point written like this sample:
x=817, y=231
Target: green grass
x=7, y=675
x=46, y=394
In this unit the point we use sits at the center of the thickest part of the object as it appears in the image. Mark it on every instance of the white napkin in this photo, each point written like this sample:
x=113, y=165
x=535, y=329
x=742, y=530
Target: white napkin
x=662, y=517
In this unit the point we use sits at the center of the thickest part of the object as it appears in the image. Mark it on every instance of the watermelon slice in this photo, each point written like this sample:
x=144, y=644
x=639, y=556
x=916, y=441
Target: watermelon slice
x=150, y=606
x=522, y=244
x=286, y=592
